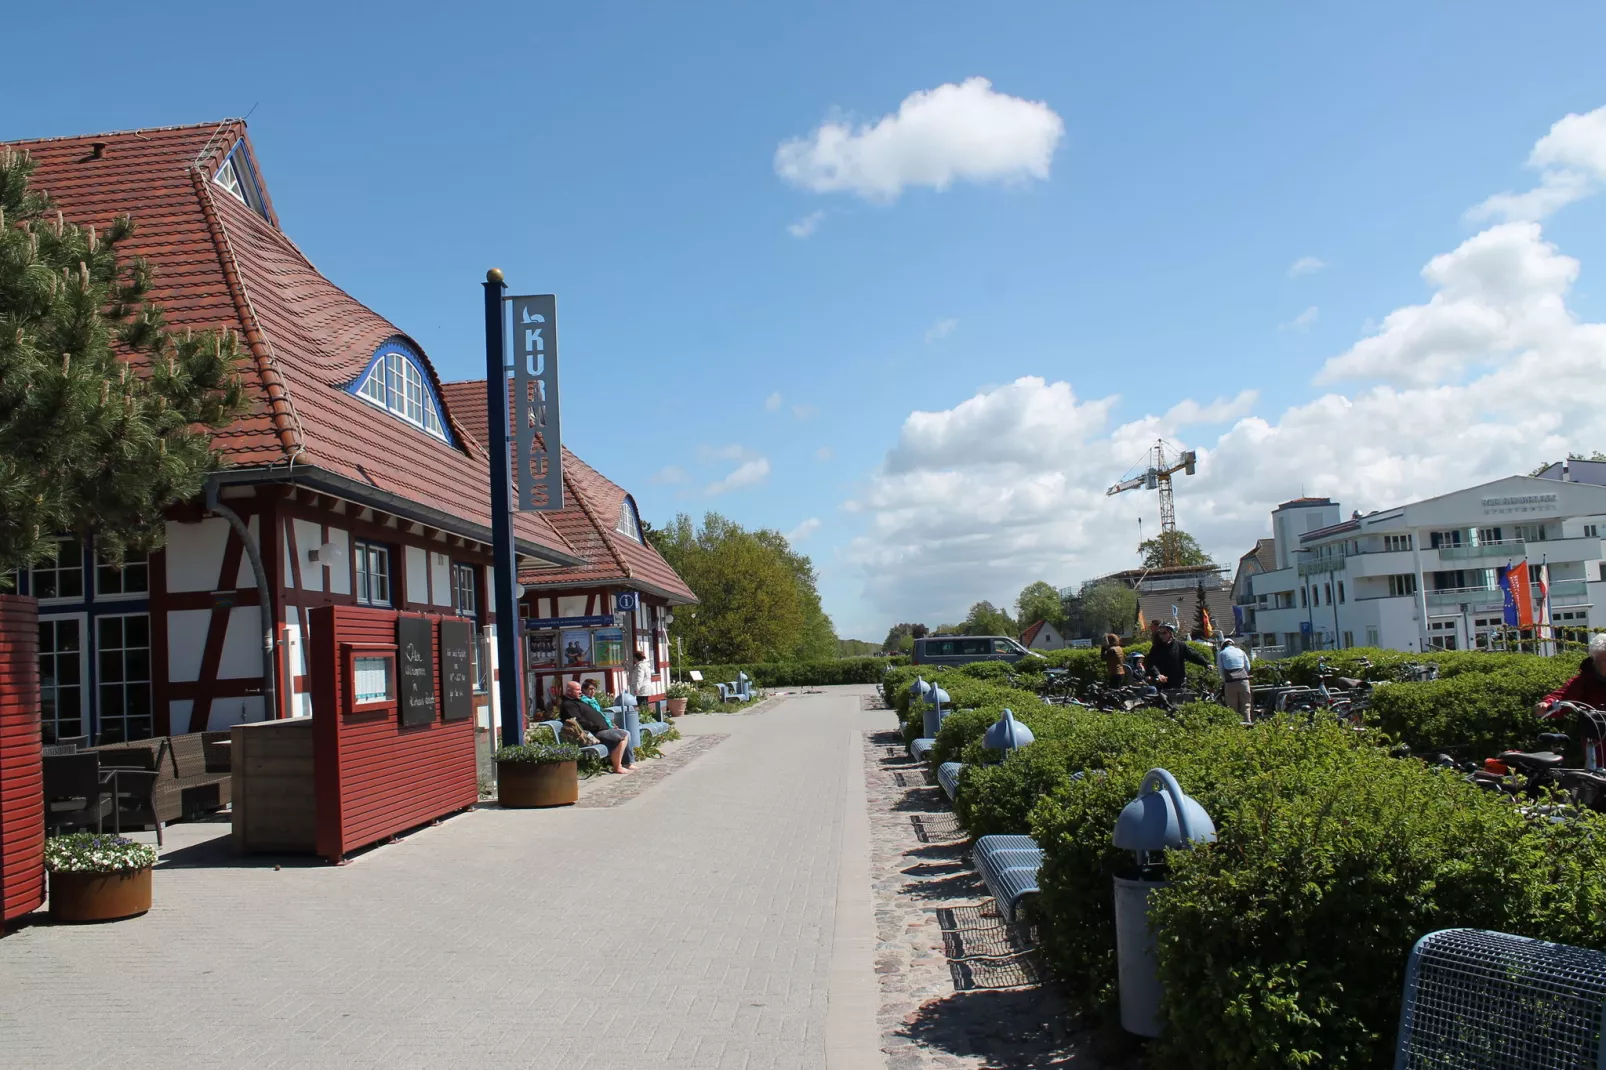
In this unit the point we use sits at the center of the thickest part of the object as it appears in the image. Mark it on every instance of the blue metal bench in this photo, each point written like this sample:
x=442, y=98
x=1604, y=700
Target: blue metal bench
x=1009, y=865
x=920, y=748
x=948, y=777
x=556, y=728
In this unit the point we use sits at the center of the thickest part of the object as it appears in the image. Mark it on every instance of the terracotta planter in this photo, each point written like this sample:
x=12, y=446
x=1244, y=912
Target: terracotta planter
x=99, y=896
x=677, y=707
x=525, y=784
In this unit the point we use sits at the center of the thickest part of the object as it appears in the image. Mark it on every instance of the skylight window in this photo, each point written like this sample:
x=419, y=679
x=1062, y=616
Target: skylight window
x=395, y=382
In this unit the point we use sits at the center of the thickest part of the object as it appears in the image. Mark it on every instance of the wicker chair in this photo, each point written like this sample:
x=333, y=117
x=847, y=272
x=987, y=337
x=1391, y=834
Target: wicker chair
x=75, y=794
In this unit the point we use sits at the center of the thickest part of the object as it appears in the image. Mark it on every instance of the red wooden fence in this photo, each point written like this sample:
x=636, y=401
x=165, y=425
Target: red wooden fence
x=22, y=813
x=375, y=776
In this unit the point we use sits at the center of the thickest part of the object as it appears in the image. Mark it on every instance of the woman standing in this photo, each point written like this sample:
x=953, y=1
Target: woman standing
x=1114, y=661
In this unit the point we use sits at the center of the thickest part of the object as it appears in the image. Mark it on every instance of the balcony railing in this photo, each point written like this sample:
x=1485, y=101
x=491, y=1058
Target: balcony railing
x=1514, y=549
x=1322, y=564
x=1562, y=593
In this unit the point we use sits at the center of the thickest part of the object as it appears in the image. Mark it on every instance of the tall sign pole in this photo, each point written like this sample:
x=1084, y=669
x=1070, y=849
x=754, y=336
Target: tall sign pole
x=509, y=691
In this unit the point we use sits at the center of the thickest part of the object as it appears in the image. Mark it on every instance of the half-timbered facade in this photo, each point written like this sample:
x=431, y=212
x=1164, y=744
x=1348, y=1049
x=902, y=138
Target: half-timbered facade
x=349, y=480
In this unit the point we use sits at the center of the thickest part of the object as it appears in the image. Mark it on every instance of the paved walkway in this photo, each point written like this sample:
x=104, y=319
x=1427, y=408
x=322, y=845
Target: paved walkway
x=719, y=919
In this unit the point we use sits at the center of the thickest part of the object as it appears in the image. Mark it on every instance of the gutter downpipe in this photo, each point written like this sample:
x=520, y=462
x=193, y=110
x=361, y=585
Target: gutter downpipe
x=270, y=700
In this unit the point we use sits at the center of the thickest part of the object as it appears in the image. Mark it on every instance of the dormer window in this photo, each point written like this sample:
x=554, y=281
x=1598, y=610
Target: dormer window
x=395, y=381
x=236, y=179
x=629, y=520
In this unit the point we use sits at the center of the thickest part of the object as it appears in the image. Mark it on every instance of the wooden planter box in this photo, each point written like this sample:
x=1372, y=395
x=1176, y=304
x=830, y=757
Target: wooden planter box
x=99, y=896
x=525, y=784
x=677, y=707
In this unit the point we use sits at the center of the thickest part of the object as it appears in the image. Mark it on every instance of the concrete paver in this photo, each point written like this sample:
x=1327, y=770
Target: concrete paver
x=693, y=925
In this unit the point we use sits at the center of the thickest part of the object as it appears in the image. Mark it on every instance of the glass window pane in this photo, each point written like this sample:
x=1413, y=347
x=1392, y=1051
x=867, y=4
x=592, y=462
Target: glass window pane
x=137, y=630
x=137, y=665
x=111, y=631
x=111, y=665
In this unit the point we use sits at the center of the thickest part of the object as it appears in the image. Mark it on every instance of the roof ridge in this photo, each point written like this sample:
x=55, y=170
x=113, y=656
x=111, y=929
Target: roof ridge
x=591, y=515
x=137, y=131
x=286, y=422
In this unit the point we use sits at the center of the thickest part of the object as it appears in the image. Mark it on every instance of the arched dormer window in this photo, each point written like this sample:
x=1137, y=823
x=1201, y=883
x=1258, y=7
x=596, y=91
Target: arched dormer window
x=395, y=381
x=629, y=520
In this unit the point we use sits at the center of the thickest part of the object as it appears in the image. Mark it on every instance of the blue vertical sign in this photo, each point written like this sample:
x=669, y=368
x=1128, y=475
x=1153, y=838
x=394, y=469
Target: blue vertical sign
x=537, y=431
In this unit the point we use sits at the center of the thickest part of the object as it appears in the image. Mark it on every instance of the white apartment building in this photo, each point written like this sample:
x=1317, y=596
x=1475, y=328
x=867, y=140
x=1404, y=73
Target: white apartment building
x=1423, y=575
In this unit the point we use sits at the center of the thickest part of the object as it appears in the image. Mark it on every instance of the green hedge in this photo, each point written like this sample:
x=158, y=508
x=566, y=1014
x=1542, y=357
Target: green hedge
x=1481, y=713
x=801, y=673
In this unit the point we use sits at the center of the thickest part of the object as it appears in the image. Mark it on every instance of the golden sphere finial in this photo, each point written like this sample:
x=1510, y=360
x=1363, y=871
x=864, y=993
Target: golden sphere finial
x=494, y=275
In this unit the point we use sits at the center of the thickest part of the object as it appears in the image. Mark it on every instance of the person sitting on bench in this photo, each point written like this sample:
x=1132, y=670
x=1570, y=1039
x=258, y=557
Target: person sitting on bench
x=593, y=720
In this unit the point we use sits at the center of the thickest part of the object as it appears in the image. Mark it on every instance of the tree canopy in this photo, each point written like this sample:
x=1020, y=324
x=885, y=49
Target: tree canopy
x=758, y=599
x=1039, y=601
x=1110, y=606
x=87, y=445
x=901, y=637
x=1185, y=546
x=985, y=618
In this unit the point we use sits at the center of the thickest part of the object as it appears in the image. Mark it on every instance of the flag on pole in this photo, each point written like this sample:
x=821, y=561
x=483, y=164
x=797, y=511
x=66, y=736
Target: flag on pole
x=1518, y=607
x=1209, y=630
x=1544, y=604
x=1142, y=624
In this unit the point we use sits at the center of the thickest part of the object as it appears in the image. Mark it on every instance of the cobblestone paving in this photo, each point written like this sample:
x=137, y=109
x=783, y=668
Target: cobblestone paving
x=607, y=789
x=689, y=926
x=929, y=904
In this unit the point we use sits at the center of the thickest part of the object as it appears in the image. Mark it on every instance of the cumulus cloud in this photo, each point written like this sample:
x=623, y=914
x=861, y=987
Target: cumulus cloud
x=1491, y=375
x=670, y=473
x=1571, y=160
x=751, y=472
x=1305, y=265
x=1301, y=322
x=805, y=412
x=773, y=402
x=806, y=226
x=954, y=133
x=941, y=329
x=804, y=530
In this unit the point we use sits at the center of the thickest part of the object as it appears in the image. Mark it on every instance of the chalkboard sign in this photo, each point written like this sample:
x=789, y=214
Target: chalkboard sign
x=415, y=665
x=457, y=670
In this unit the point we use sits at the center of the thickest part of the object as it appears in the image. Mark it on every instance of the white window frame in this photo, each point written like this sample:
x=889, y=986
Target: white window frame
x=102, y=595
x=398, y=385
x=86, y=650
x=49, y=565
x=102, y=714
x=361, y=548
x=629, y=524
x=463, y=580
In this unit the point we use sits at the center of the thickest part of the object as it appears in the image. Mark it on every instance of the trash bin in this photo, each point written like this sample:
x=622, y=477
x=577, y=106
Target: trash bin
x=1161, y=817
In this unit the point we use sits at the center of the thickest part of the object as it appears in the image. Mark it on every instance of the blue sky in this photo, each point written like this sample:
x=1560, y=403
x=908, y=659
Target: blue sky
x=624, y=156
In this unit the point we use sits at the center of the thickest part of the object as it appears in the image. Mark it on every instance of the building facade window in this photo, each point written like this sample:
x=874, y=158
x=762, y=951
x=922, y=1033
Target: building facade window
x=132, y=579
x=396, y=383
x=1341, y=598
x=1327, y=589
x=373, y=573
x=1303, y=599
x=1441, y=635
x=1531, y=532
x=464, y=596
x=1349, y=640
x=1402, y=584
x=1489, y=535
x=1591, y=531
x=62, y=670
x=61, y=578
x=629, y=524
x=1371, y=635
x=1441, y=539
x=1396, y=542
x=123, y=663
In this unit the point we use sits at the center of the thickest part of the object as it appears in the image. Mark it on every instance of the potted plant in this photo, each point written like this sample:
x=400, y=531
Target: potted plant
x=678, y=695
x=538, y=774
x=98, y=877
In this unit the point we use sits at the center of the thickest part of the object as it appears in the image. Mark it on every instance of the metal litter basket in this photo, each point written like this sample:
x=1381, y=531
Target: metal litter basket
x=1477, y=1000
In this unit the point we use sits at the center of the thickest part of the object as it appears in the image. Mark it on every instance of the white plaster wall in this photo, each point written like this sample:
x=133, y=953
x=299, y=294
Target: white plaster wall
x=572, y=605
x=178, y=714
x=417, y=575
x=246, y=576
x=339, y=576
x=186, y=639
x=242, y=644
x=491, y=713
x=440, y=579
x=296, y=656
x=195, y=554
x=308, y=536
x=233, y=711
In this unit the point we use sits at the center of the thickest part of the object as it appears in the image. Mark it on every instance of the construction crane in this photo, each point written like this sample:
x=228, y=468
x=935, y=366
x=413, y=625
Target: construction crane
x=1157, y=476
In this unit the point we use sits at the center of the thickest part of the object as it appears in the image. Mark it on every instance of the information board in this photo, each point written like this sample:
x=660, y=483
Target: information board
x=415, y=669
x=457, y=670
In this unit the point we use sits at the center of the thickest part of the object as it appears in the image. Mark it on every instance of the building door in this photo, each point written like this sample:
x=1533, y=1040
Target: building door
x=123, y=676
x=63, y=677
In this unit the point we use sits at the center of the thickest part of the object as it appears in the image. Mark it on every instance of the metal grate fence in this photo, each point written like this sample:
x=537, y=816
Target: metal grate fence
x=1478, y=1000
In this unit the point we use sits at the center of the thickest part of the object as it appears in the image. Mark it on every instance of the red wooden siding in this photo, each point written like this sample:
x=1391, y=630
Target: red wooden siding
x=22, y=815
x=375, y=777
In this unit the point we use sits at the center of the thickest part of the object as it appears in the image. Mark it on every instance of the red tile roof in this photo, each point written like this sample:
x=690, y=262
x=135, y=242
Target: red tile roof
x=1029, y=634
x=591, y=506
x=219, y=264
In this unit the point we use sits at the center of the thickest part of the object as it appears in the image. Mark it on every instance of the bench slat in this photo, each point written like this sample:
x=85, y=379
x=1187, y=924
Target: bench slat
x=1008, y=865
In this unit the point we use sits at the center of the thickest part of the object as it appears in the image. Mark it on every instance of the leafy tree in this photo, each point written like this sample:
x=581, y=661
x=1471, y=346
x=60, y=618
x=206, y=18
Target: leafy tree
x=87, y=445
x=899, y=632
x=758, y=600
x=1186, y=547
x=985, y=618
x=855, y=648
x=1110, y=606
x=1038, y=601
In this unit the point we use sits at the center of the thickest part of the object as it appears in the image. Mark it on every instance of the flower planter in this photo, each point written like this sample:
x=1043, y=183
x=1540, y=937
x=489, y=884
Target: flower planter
x=99, y=896
x=526, y=784
x=677, y=707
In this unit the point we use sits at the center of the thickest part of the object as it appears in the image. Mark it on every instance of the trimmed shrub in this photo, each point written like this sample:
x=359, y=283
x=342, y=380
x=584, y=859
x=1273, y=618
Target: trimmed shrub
x=1480, y=713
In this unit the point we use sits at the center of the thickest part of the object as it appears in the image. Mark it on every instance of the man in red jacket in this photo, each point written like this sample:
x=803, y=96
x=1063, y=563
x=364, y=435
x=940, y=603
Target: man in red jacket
x=1588, y=687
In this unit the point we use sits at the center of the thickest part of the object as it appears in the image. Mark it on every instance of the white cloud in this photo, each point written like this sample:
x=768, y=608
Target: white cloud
x=1488, y=377
x=773, y=402
x=1302, y=321
x=804, y=530
x=1305, y=265
x=807, y=225
x=954, y=133
x=1571, y=160
x=750, y=473
x=940, y=329
x=805, y=412
x=824, y=453
x=670, y=473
